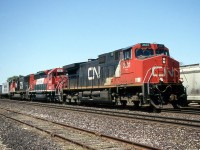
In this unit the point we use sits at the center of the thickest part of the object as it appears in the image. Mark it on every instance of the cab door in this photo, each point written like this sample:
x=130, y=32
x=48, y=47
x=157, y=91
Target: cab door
x=126, y=61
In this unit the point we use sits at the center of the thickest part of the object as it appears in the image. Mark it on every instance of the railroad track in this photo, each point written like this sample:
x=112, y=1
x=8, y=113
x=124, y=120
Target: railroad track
x=80, y=137
x=184, y=110
x=128, y=115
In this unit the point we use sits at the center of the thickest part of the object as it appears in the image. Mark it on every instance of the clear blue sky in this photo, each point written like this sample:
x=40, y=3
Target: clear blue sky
x=41, y=34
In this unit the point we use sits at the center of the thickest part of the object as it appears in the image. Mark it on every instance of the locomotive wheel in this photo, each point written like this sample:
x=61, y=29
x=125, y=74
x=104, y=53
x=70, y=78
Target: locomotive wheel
x=123, y=103
x=22, y=97
x=154, y=110
x=136, y=104
x=78, y=102
x=114, y=103
x=154, y=107
x=64, y=98
x=182, y=101
x=58, y=99
x=175, y=105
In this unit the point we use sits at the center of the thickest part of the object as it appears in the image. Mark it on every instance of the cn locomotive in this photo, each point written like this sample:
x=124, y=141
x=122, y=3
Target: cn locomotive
x=143, y=74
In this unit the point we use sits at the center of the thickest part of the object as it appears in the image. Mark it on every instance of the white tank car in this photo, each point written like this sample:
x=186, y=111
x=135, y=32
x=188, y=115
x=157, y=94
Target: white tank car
x=190, y=74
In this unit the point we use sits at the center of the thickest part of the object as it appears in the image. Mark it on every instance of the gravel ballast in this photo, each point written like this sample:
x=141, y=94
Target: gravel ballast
x=16, y=137
x=2, y=146
x=153, y=134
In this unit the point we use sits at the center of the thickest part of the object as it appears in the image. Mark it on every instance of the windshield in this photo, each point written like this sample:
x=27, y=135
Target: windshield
x=143, y=53
x=162, y=52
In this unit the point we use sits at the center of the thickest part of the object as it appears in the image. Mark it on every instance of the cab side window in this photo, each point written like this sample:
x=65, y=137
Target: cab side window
x=127, y=54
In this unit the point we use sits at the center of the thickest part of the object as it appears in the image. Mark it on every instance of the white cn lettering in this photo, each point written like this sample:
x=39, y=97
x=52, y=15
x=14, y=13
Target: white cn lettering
x=157, y=68
x=126, y=65
x=171, y=73
x=92, y=71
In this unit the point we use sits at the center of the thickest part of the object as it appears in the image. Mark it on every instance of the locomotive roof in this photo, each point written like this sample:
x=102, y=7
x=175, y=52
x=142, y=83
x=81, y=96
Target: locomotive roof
x=127, y=47
x=42, y=72
x=72, y=66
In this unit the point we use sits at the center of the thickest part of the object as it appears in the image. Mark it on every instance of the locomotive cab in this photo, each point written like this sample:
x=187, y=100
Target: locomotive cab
x=151, y=67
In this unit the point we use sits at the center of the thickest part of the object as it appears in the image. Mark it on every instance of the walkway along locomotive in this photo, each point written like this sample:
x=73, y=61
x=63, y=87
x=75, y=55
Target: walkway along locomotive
x=143, y=74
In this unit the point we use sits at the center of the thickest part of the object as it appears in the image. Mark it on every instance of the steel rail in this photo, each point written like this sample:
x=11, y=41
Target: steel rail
x=144, y=117
x=133, y=144
x=182, y=111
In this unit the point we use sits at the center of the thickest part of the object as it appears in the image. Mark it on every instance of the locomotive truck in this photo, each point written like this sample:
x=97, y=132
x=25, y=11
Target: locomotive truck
x=143, y=74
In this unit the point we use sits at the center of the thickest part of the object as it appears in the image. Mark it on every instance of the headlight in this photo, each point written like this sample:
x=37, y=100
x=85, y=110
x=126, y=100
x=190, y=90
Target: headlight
x=164, y=60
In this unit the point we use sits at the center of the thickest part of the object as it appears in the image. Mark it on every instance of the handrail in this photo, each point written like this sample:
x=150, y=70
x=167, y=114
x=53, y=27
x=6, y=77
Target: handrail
x=146, y=75
x=148, y=81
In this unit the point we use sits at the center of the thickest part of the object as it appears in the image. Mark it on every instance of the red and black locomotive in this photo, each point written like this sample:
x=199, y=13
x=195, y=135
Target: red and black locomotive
x=143, y=74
